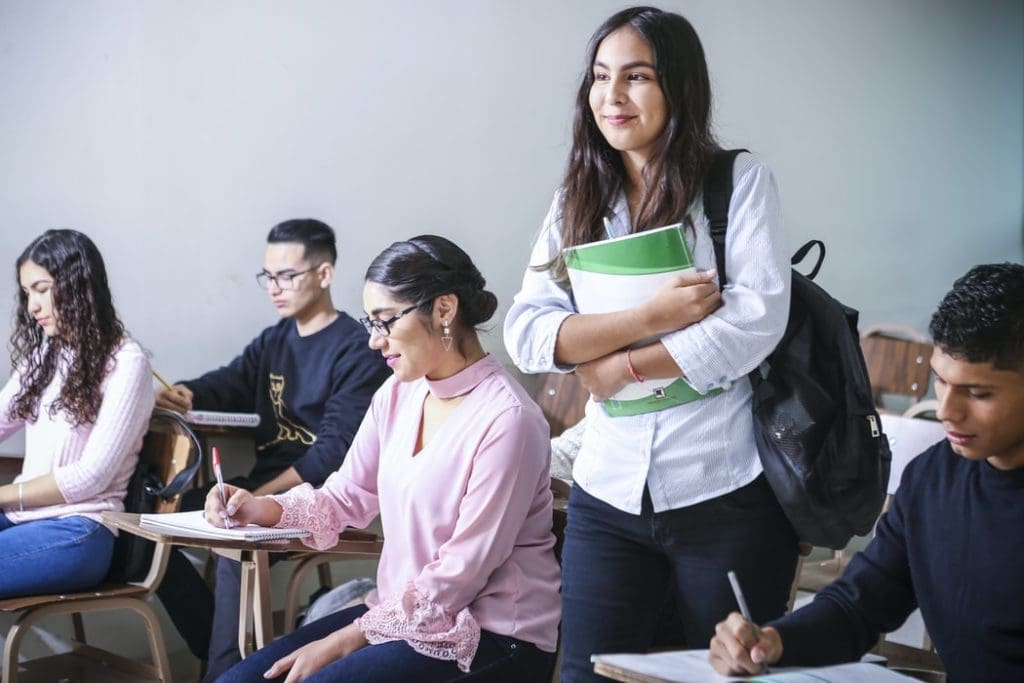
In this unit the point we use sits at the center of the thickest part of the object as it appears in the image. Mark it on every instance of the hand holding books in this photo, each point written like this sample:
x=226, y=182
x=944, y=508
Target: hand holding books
x=651, y=275
x=681, y=301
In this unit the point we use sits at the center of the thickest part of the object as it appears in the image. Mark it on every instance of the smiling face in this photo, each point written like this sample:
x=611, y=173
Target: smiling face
x=304, y=293
x=37, y=284
x=982, y=409
x=625, y=98
x=412, y=350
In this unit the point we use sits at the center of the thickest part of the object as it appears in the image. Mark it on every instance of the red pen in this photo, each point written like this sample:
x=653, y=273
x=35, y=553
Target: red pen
x=220, y=485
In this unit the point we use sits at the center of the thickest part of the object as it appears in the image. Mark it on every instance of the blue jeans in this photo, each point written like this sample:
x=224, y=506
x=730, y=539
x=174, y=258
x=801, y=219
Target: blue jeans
x=499, y=659
x=62, y=555
x=620, y=570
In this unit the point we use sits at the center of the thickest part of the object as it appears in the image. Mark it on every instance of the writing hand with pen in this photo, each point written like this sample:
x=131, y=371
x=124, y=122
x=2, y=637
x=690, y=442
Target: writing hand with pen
x=240, y=508
x=175, y=397
x=739, y=647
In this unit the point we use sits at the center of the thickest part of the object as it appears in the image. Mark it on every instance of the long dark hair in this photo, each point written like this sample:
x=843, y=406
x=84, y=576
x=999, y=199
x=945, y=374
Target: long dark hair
x=89, y=330
x=423, y=268
x=674, y=174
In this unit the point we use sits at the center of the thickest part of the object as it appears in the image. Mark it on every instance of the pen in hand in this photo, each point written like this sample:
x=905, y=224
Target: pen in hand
x=744, y=610
x=220, y=486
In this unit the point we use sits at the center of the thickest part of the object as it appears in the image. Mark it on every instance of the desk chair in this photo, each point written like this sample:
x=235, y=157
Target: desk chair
x=897, y=359
x=307, y=562
x=170, y=447
x=562, y=398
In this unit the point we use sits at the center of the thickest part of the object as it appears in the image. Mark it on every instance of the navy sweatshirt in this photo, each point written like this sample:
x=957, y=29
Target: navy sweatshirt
x=952, y=544
x=310, y=392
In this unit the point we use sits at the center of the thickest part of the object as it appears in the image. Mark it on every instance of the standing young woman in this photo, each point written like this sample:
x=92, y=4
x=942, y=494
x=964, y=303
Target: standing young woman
x=454, y=456
x=667, y=501
x=82, y=390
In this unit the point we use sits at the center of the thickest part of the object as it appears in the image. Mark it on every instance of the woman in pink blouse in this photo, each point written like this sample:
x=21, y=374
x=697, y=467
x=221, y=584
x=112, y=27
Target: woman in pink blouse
x=454, y=457
x=82, y=390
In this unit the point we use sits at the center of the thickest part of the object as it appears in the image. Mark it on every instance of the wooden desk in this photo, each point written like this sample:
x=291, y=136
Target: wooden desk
x=254, y=608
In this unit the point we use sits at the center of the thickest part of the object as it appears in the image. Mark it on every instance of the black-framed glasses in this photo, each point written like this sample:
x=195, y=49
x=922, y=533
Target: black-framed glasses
x=284, y=280
x=383, y=327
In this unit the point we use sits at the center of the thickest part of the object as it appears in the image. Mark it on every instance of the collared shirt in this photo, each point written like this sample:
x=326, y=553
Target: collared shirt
x=705, y=448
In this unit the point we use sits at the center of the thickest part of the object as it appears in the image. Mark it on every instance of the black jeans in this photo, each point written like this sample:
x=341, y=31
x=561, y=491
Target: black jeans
x=618, y=569
x=499, y=659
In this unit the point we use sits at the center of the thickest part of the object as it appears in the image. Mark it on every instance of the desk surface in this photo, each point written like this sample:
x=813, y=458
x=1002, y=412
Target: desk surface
x=351, y=542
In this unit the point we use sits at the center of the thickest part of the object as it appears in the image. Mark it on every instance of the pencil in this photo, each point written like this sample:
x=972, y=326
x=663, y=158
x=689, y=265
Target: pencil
x=163, y=381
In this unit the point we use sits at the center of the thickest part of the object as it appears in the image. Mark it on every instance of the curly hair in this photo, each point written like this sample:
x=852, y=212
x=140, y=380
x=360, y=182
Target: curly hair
x=88, y=329
x=674, y=176
x=982, y=318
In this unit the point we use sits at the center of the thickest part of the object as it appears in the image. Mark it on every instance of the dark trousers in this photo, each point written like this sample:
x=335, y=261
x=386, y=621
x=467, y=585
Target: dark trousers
x=499, y=659
x=618, y=569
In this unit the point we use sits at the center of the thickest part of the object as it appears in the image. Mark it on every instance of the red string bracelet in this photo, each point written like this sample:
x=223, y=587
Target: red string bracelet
x=637, y=377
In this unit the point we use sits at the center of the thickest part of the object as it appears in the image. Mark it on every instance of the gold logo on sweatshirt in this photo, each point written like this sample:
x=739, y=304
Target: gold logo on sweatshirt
x=287, y=429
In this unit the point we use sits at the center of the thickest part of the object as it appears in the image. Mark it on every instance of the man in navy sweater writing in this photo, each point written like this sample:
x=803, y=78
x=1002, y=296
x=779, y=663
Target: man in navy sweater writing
x=310, y=378
x=952, y=542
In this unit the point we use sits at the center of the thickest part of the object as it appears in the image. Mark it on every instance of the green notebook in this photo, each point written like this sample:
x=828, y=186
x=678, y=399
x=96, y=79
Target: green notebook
x=620, y=273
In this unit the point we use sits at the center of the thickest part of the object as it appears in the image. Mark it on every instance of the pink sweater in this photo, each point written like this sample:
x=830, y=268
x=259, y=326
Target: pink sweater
x=92, y=463
x=467, y=520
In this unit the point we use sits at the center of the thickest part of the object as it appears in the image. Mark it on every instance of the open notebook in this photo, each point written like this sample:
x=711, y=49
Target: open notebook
x=691, y=666
x=195, y=525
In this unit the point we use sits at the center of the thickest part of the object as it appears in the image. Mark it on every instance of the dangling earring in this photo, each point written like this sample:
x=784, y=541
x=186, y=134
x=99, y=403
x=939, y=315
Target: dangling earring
x=446, y=336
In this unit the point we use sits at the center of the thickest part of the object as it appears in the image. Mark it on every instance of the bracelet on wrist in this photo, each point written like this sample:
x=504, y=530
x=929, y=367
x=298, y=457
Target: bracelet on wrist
x=637, y=377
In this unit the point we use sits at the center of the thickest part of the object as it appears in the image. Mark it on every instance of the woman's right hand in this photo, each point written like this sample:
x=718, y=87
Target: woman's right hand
x=178, y=400
x=242, y=508
x=682, y=301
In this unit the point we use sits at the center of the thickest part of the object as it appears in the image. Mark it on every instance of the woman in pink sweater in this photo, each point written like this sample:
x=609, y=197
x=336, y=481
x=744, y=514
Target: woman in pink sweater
x=454, y=457
x=82, y=391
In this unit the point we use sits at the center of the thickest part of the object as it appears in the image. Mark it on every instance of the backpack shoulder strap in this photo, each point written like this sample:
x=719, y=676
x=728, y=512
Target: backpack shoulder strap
x=717, y=193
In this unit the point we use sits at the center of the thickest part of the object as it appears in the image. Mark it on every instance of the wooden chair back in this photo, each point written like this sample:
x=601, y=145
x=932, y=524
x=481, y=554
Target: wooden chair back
x=896, y=365
x=562, y=398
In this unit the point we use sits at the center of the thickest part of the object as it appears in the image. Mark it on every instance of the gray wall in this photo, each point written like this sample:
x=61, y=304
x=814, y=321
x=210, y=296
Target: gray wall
x=176, y=133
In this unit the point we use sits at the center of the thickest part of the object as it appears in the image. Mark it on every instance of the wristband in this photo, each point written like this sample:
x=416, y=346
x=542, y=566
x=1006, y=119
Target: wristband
x=637, y=377
x=21, y=498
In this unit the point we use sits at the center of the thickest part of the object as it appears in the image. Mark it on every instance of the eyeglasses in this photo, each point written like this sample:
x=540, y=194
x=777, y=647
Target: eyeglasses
x=284, y=280
x=383, y=327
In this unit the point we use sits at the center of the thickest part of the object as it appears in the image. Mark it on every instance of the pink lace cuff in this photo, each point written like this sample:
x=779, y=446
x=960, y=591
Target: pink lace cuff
x=301, y=508
x=425, y=625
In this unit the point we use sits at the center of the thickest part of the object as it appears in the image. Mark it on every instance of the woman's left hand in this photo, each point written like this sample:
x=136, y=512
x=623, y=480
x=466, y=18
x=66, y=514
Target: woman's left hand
x=310, y=658
x=604, y=376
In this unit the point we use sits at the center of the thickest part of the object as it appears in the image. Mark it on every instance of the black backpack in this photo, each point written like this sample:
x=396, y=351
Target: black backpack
x=133, y=554
x=818, y=434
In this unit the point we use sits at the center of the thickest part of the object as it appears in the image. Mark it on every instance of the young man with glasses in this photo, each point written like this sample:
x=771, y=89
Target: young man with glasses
x=310, y=378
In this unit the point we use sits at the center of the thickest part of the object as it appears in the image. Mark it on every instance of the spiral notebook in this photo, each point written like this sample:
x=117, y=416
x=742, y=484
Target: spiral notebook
x=221, y=419
x=194, y=524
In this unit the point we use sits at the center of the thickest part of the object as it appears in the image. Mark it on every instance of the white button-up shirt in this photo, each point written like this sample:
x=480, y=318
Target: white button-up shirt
x=705, y=448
